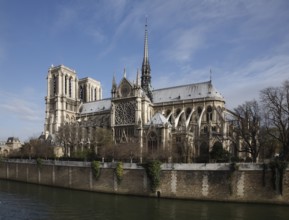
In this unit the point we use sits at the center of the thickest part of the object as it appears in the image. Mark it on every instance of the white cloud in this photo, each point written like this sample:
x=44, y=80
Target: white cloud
x=21, y=107
x=185, y=44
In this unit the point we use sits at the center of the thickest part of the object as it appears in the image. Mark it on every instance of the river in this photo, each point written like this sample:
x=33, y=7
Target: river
x=33, y=202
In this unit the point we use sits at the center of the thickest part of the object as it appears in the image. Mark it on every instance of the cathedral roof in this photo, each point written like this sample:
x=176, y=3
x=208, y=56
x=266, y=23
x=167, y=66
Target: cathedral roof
x=186, y=92
x=97, y=106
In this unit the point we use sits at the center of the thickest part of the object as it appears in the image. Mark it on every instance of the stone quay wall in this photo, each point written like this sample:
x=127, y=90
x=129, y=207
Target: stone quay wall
x=248, y=183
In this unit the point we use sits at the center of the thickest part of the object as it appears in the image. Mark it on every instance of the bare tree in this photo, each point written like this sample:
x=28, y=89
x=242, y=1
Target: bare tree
x=36, y=148
x=65, y=137
x=247, y=128
x=103, y=143
x=276, y=106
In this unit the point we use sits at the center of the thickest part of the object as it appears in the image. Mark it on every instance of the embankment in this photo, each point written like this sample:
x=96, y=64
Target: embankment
x=217, y=182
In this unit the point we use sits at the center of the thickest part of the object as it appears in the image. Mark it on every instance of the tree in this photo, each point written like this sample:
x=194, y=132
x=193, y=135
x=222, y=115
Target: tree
x=219, y=154
x=275, y=101
x=65, y=137
x=36, y=148
x=103, y=142
x=247, y=128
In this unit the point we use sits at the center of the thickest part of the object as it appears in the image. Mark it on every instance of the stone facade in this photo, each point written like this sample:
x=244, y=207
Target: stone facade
x=187, y=119
x=10, y=145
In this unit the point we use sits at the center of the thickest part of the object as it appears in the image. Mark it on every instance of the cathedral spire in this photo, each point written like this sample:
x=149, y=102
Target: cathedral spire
x=124, y=73
x=146, y=69
x=113, y=81
x=138, y=78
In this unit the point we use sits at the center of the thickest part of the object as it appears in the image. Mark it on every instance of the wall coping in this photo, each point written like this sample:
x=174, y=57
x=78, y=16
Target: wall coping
x=164, y=166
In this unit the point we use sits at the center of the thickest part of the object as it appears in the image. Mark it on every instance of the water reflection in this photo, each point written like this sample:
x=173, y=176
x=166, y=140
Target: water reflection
x=27, y=201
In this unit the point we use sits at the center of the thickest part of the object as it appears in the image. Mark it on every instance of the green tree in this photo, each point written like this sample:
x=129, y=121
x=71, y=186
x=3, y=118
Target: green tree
x=219, y=154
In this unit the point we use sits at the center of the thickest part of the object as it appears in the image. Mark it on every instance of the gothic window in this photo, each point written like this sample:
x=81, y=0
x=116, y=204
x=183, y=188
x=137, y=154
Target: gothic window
x=209, y=113
x=54, y=85
x=188, y=111
x=177, y=112
x=125, y=113
x=205, y=129
x=152, y=143
x=167, y=112
x=200, y=111
x=70, y=82
x=65, y=85
x=84, y=93
x=81, y=93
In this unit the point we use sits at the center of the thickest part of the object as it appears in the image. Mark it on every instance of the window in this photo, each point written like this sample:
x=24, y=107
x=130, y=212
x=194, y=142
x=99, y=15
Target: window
x=65, y=85
x=70, y=82
x=81, y=93
x=205, y=129
x=54, y=85
x=209, y=113
x=200, y=111
x=188, y=112
x=152, y=142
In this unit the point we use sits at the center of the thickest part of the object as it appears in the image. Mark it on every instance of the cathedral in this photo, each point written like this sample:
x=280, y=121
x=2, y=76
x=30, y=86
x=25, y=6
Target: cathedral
x=188, y=119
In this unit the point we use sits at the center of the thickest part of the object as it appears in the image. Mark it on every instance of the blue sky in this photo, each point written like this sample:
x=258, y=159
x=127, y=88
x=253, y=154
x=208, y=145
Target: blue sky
x=245, y=43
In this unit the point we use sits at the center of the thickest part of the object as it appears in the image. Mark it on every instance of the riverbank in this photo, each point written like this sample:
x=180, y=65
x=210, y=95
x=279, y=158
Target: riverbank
x=213, y=182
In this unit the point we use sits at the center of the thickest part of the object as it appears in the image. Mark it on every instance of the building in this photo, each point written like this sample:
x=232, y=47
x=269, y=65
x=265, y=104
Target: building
x=12, y=144
x=186, y=119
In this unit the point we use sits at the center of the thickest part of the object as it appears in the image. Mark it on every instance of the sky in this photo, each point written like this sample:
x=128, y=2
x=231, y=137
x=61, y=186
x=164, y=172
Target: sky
x=244, y=43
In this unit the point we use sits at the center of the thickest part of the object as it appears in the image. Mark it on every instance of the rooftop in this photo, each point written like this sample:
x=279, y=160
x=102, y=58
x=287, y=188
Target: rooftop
x=186, y=92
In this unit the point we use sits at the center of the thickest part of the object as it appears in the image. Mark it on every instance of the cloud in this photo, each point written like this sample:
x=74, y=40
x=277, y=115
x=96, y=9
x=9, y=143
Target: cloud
x=185, y=44
x=245, y=84
x=21, y=108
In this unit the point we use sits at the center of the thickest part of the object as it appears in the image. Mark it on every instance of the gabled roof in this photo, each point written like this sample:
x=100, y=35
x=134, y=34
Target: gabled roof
x=158, y=119
x=186, y=92
x=97, y=106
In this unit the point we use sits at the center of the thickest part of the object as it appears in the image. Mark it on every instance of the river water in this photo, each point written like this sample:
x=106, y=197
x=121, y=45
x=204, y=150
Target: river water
x=28, y=201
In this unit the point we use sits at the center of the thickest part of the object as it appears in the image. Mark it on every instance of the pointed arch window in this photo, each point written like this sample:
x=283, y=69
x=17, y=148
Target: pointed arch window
x=54, y=85
x=70, y=86
x=209, y=113
x=81, y=93
x=200, y=111
x=65, y=85
x=152, y=143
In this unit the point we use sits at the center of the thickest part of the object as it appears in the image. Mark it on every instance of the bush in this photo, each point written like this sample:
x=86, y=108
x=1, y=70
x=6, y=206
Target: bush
x=39, y=162
x=153, y=170
x=119, y=172
x=95, y=166
x=219, y=154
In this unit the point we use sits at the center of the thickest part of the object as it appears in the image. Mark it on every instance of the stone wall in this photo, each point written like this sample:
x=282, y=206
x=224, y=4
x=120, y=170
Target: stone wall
x=249, y=183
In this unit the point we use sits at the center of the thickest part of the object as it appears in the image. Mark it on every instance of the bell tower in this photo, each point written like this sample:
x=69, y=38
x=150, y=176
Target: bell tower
x=62, y=100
